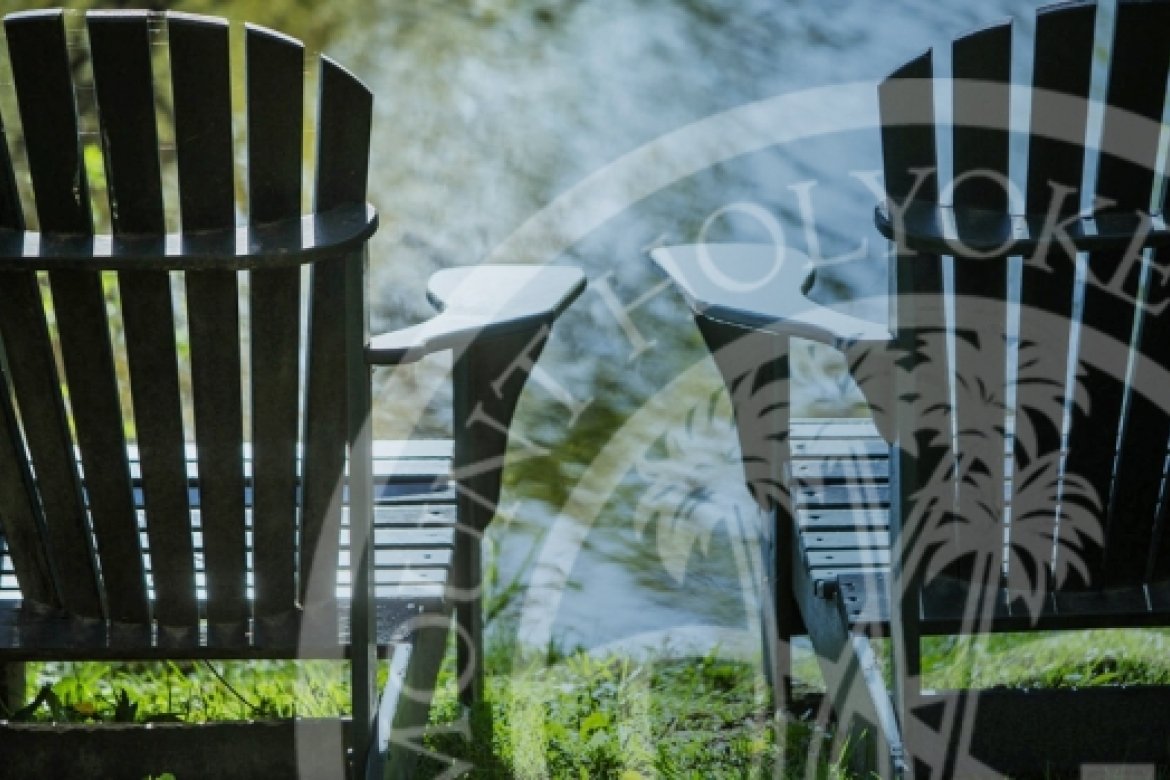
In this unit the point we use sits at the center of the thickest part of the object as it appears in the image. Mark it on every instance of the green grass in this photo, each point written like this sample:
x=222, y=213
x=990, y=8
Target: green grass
x=191, y=692
x=576, y=716
x=1049, y=660
x=548, y=714
x=557, y=714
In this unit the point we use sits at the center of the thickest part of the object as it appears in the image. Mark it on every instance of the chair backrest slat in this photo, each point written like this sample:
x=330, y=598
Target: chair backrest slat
x=52, y=519
x=33, y=373
x=1062, y=68
x=48, y=114
x=344, y=115
x=981, y=76
x=275, y=124
x=201, y=84
x=274, y=364
x=1143, y=546
x=40, y=65
x=1141, y=58
x=1154, y=348
x=275, y=100
x=1061, y=76
x=981, y=69
x=344, y=118
x=325, y=435
x=86, y=350
x=906, y=103
x=124, y=86
x=119, y=45
x=23, y=520
x=148, y=320
x=1103, y=433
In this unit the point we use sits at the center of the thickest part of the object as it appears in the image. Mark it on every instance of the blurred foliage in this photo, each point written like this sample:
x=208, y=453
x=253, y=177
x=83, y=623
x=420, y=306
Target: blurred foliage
x=312, y=22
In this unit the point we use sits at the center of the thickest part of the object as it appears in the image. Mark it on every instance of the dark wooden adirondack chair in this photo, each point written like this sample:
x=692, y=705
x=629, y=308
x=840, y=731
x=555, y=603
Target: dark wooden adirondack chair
x=254, y=536
x=1026, y=404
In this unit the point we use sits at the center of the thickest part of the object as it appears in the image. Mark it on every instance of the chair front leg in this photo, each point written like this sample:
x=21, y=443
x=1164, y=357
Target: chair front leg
x=488, y=378
x=755, y=368
x=13, y=680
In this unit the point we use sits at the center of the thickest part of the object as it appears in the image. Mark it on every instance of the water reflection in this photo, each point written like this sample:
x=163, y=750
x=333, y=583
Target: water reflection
x=487, y=112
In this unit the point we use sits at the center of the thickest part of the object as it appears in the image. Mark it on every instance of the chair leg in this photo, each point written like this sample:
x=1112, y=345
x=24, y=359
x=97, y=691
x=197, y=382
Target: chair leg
x=409, y=706
x=13, y=680
x=488, y=377
x=857, y=691
x=467, y=577
x=788, y=619
x=776, y=621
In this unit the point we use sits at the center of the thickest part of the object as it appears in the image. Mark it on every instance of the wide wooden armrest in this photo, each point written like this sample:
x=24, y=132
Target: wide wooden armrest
x=291, y=242
x=481, y=301
x=761, y=287
x=943, y=230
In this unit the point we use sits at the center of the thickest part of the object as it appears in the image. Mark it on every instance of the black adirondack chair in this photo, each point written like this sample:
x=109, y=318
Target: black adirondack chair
x=127, y=540
x=1026, y=403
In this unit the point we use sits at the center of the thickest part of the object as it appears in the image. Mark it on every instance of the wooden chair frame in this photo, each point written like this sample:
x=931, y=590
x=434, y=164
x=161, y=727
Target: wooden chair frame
x=75, y=498
x=951, y=281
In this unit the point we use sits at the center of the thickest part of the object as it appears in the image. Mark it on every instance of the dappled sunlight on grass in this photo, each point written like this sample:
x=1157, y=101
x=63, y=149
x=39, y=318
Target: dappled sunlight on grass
x=1070, y=659
x=187, y=691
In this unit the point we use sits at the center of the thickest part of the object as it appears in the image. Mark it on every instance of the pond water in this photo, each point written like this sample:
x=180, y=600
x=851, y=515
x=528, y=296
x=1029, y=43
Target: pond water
x=565, y=131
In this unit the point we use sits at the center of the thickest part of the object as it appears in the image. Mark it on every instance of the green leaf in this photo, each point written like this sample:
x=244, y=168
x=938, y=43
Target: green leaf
x=593, y=722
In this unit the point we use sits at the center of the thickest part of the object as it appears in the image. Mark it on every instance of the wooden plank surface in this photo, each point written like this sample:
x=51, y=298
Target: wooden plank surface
x=413, y=546
x=1063, y=60
x=274, y=76
x=83, y=330
x=24, y=556
x=201, y=86
x=1140, y=50
x=37, y=390
x=981, y=69
x=842, y=543
x=87, y=352
x=124, y=85
x=44, y=90
x=1141, y=57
